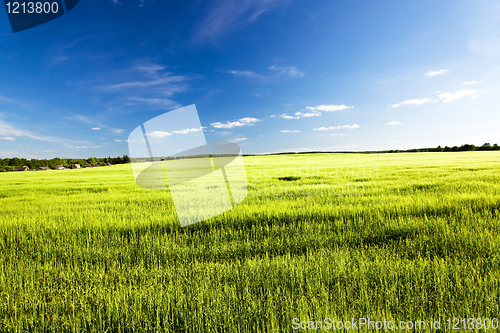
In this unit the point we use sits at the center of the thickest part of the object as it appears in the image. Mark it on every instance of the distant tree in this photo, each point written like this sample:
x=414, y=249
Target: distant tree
x=92, y=161
x=486, y=146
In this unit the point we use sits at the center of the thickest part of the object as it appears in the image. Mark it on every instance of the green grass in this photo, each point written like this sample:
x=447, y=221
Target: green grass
x=385, y=236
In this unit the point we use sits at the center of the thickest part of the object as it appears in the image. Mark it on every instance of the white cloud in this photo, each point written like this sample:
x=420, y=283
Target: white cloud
x=308, y=114
x=285, y=116
x=188, y=130
x=96, y=129
x=247, y=121
x=290, y=131
x=118, y=140
x=272, y=116
x=415, y=101
x=329, y=108
x=448, y=97
x=8, y=138
x=472, y=82
x=158, y=134
x=434, y=73
x=247, y=73
x=353, y=126
x=239, y=139
x=290, y=71
x=393, y=123
x=314, y=111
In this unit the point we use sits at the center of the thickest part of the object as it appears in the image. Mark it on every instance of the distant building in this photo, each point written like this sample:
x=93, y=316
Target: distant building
x=75, y=166
x=44, y=168
x=23, y=168
x=109, y=164
x=60, y=167
x=88, y=166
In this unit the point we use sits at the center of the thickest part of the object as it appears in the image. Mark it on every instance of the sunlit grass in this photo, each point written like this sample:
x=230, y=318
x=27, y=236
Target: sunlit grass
x=390, y=236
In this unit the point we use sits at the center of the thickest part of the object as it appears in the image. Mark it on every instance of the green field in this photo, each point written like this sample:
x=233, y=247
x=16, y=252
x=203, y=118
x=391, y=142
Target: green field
x=398, y=237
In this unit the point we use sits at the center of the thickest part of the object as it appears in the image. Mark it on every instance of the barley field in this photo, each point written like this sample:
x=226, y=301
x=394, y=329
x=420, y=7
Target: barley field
x=409, y=236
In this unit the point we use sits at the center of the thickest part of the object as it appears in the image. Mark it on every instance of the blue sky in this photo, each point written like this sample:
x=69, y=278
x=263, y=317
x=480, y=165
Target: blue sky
x=270, y=75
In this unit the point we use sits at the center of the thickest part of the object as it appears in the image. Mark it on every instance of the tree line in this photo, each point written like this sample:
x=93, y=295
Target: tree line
x=8, y=164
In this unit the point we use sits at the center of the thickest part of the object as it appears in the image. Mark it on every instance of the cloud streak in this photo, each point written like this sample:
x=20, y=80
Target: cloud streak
x=316, y=111
x=443, y=97
x=415, y=101
x=435, y=73
x=448, y=97
x=227, y=16
x=247, y=121
x=329, y=108
x=280, y=71
x=7, y=130
x=353, y=126
x=97, y=125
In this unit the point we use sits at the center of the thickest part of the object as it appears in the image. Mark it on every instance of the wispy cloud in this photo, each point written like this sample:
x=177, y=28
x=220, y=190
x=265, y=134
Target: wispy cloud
x=7, y=138
x=448, y=97
x=158, y=134
x=91, y=147
x=226, y=16
x=160, y=102
x=415, y=101
x=239, y=139
x=393, y=123
x=353, y=126
x=285, y=116
x=118, y=140
x=472, y=82
x=7, y=130
x=290, y=131
x=188, y=130
x=434, y=73
x=140, y=87
x=290, y=71
x=316, y=111
x=279, y=71
x=5, y=99
x=443, y=97
x=247, y=73
x=247, y=121
x=99, y=126
x=117, y=87
x=329, y=108
x=58, y=60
